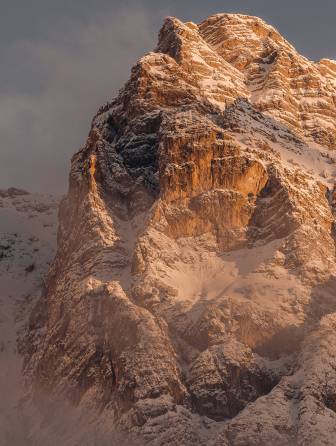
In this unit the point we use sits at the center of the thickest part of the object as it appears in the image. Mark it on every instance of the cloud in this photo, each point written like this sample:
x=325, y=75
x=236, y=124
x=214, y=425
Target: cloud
x=41, y=130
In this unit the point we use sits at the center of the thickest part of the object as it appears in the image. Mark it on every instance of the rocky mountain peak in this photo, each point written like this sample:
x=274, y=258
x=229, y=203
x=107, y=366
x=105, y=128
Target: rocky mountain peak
x=191, y=300
x=233, y=55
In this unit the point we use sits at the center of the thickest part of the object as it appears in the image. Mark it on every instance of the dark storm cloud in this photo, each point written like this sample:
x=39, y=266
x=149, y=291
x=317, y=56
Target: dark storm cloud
x=61, y=60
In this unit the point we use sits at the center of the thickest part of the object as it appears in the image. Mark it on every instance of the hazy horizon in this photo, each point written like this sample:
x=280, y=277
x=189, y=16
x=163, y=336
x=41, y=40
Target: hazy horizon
x=61, y=61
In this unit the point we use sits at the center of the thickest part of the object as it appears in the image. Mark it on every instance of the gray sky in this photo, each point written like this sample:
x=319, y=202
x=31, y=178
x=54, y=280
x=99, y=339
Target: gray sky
x=60, y=60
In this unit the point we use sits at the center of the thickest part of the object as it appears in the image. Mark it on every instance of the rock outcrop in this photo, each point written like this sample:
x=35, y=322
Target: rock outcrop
x=192, y=298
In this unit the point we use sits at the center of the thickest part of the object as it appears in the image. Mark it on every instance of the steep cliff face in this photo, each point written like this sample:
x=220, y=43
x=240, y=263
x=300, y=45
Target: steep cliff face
x=192, y=298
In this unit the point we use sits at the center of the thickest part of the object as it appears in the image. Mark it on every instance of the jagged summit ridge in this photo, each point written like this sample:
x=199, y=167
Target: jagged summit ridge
x=269, y=71
x=193, y=288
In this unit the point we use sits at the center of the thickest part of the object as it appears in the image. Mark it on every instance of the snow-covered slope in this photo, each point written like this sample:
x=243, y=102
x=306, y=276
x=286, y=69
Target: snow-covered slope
x=192, y=298
x=28, y=226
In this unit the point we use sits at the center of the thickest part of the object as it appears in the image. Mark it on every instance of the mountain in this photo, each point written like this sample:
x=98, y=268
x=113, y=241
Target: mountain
x=28, y=225
x=192, y=300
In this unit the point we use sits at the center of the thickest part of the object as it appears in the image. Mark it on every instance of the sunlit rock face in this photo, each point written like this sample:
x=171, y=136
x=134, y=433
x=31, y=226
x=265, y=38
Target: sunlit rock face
x=192, y=298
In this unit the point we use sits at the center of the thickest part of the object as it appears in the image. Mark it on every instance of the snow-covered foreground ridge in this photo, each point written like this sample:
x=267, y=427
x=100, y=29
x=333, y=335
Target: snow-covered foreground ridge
x=28, y=226
x=192, y=298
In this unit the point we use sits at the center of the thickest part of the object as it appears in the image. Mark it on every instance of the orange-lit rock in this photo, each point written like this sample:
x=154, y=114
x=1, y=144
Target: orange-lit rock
x=192, y=298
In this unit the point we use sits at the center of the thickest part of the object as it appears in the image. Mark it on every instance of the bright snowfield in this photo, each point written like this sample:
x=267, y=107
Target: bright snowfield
x=192, y=298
